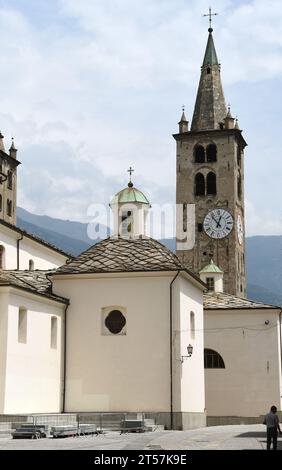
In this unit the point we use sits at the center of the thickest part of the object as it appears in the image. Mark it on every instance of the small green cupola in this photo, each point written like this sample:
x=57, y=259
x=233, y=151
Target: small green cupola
x=212, y=275
x=130, y=209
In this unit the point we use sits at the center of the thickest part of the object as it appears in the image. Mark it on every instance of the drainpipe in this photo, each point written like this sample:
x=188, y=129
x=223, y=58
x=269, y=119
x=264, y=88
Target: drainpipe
x=170, y=348
x=65, y=360
x=18, y=251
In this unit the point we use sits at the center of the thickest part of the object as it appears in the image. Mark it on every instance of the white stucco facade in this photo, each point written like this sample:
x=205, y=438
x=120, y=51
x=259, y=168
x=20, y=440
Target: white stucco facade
x=42, y=256
x=249, y=342
x=131, y=371
x=31, y=368
x=188, y=329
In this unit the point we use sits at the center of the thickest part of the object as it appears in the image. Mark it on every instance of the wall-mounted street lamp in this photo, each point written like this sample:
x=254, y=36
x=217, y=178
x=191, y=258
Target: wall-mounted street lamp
x=189, y=353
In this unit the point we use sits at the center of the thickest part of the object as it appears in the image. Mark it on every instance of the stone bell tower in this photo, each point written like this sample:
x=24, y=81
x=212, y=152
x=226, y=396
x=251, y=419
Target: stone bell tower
x=210, y=174
x=8, y=182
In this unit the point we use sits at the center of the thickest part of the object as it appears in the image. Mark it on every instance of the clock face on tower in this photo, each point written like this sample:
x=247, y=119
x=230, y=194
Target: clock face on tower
x=240, y=230
x=218, y=223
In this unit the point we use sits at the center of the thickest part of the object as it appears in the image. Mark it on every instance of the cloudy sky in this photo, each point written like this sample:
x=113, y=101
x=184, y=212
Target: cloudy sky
x=90, y=87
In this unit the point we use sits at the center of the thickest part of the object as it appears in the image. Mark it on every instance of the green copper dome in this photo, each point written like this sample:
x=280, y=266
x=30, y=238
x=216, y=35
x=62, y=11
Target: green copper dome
x=211, y=268
x=129, y=194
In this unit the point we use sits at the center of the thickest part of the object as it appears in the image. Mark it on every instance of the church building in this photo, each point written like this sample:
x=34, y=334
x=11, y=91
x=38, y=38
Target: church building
x=130, y=326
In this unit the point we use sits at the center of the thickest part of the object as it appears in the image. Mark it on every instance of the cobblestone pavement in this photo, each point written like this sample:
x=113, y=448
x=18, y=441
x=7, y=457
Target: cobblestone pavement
x=218, y=438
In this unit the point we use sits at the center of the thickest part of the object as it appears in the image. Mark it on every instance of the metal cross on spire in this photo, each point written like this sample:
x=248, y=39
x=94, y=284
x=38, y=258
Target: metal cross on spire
x=130, y=171
x=210, y=14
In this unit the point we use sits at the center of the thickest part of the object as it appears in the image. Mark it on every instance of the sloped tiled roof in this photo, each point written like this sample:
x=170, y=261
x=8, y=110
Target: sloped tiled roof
x=124, y=255
x=220, y=300
x=36, y=282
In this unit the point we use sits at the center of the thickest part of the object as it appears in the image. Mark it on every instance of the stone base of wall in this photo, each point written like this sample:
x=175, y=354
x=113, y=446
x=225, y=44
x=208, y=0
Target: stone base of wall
x=232, y=420
x=181, y=420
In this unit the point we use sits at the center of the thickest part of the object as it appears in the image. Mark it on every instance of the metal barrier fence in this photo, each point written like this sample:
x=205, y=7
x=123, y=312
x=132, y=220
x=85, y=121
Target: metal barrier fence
x=103, y=421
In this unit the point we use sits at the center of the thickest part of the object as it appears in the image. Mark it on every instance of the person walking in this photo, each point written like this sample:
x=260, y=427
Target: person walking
x=271, y=421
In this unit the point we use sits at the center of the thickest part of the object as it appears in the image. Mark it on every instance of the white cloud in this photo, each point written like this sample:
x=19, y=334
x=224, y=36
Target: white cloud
x=101, y=89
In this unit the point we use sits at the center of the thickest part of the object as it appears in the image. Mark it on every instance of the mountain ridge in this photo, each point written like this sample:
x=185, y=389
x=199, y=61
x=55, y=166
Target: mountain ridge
x=263, y=252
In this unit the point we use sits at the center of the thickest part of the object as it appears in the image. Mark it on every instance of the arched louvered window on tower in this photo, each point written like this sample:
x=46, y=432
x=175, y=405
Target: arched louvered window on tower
x=211, y=153
x=211, y=184
x=213, y=360
x=199, y=154
x=199, y=184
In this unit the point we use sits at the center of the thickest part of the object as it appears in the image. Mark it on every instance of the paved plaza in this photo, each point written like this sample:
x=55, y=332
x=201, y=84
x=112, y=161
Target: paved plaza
x=240, y=437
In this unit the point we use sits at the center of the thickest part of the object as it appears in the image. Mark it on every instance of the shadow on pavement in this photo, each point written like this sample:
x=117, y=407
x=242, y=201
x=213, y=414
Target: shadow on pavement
x=258, y=435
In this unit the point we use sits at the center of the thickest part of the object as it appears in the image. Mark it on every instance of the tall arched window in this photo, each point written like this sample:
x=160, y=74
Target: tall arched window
x=238, y=156
x=199, y=184
x=22, y=325
x=10, y=180
x=185, y=217
x=127, y=223
x=192, y=324
x=9, y=207
x=239, y=186
x=211, y=183
x=211, y=153
x=199, y=154
x=2, y=257
x=213, y=360
x=54, y=332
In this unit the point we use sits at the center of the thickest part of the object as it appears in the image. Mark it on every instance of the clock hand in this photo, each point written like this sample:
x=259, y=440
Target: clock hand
x=218, y=223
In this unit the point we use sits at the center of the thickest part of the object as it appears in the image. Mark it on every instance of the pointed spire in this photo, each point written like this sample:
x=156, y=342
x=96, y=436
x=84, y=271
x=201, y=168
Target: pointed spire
x=229, y=115
x=210, y=108
x=183, y=123
x=13, y=150
x=229, y=120
x=237, y=124
x=210, y=57
x=2, y=147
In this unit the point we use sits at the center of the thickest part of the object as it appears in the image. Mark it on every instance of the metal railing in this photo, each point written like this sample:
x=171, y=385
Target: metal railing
x=103, y=421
